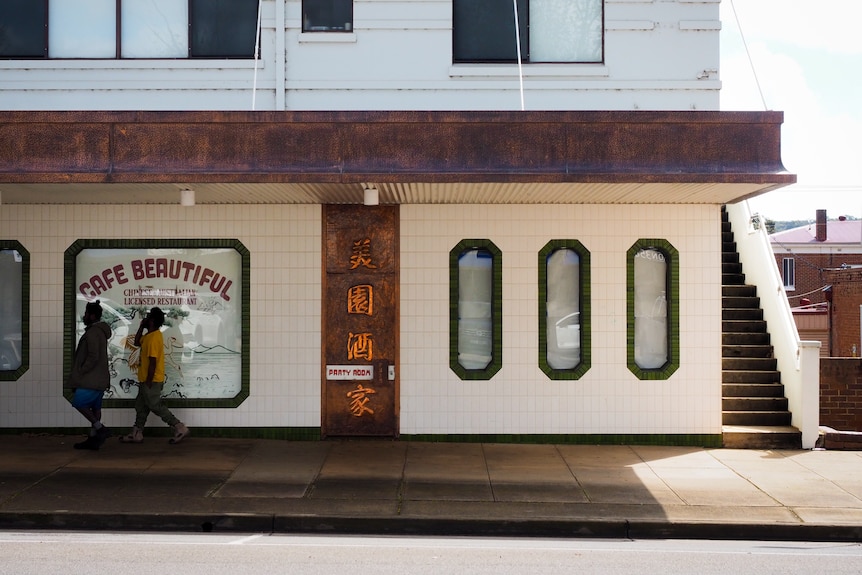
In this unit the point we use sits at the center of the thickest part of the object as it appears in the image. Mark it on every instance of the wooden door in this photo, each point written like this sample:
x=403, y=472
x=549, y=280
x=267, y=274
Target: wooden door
x=360, y=332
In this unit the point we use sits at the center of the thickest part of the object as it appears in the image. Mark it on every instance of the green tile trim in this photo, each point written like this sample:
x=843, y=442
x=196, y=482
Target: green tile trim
x=160, y=430
x=672, y=297
x=16, y=374
x=313, y=434
x=69, y=319
x=585, y=301
x=682, y=440
x=496, y=311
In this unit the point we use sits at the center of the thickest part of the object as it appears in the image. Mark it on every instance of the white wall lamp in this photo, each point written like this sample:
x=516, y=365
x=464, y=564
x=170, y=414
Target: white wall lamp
x=371, y=195
x=187, y=197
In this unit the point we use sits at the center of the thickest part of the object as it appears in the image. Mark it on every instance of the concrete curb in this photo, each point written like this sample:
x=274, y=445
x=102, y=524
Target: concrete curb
x=423, y=526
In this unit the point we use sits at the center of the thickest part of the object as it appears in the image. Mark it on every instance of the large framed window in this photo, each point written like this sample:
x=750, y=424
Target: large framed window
x=128, y=28
x=653, y=309
x=549, y=31
x=203, y=288
x=14, y=310
x=564, y=310
x=327, y=15
x=475, y=309
x=788, y=273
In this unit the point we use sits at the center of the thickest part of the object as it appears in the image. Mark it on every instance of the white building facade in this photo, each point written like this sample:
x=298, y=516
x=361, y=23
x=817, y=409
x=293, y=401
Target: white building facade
x=377, y=217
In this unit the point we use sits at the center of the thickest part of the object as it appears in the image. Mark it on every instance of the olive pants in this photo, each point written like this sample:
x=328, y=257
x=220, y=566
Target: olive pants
x=149, y=399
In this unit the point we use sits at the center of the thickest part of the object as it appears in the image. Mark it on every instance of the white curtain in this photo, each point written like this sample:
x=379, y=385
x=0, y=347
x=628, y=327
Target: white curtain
x=565, y=30
x=82, y=29
x=563, y=309
x=651, y=337
x=155, y=28
x=475, y=293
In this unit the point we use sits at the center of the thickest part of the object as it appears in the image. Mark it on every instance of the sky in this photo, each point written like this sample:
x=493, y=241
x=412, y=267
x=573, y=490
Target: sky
x=806, y=58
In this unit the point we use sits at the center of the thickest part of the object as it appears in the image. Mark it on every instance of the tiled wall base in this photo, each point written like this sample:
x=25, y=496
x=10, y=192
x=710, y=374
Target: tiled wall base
x=313, y=434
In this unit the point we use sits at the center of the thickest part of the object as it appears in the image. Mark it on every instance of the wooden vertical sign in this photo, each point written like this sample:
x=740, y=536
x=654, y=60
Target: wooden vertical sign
x=360, y=332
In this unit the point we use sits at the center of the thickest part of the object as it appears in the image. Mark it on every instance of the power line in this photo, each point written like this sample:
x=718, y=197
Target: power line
x=750, y=61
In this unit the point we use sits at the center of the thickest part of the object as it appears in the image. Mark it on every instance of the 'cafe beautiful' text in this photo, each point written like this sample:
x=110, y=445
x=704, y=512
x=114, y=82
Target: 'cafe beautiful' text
x=157, y=268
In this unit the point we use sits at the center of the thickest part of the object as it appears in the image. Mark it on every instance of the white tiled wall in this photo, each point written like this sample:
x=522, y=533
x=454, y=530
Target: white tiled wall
x=284, y=242
x=520, y=398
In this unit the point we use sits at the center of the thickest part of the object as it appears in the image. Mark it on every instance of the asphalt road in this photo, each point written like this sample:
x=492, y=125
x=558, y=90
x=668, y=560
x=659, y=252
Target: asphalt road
x=48, y=553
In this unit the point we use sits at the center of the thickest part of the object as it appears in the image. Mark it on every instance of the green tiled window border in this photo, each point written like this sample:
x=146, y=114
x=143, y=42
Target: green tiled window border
x=496, y=310
x=672, y=256
x=69, y=318
x=15, y=374
x=584, y=294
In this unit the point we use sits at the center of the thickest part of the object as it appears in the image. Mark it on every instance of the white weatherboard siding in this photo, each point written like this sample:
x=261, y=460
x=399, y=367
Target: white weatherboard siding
x=658, y=56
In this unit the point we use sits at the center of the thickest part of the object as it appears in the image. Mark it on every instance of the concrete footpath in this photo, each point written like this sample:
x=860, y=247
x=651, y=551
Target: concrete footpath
x=415, y=488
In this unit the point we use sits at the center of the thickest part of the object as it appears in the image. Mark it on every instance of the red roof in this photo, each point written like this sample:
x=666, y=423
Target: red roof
x=837, y=232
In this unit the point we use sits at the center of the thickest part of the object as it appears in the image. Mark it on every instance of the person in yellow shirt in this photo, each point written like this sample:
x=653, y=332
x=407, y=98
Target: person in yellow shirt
x=151, y=380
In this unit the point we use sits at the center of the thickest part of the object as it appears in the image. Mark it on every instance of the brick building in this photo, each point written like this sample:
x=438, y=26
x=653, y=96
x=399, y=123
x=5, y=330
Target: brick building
x=844, y=311
x=818, y=265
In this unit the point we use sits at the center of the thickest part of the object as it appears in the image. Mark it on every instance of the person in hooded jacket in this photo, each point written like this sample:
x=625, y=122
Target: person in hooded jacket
x=90, y=375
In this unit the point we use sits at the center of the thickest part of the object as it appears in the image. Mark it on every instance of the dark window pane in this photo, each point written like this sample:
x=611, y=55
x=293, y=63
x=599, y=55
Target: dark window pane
x=484, y=31
x=223, y=28
x=22, y=28
x=327, y=15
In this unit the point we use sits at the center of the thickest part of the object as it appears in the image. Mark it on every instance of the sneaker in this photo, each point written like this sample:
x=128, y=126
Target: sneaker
x=180, y=432
x=92, y=443
x=135, y=436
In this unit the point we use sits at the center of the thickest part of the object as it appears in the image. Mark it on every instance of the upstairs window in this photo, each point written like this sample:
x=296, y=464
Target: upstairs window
x=23, y=28
x=109, y=29
x=327, y=15
x=549, y=30
x=222, y=28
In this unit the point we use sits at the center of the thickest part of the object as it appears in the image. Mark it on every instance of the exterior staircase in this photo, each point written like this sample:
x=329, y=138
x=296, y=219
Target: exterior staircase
x=754, y=409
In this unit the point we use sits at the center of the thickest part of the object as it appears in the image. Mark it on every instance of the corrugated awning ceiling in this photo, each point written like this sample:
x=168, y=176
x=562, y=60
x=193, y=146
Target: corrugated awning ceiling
x=389, y=193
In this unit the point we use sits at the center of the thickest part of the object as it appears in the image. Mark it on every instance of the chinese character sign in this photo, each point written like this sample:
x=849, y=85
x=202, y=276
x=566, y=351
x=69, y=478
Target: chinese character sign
x=360, y=300
x=359, y=399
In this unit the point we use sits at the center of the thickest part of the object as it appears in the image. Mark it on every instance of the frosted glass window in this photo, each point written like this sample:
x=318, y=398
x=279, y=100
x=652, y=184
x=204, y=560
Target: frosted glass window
x=155, y=29
x=650, y=309
x=563, y=309
x=565, y=31
x=11, y=310
x=82, y=29
x=475, y=298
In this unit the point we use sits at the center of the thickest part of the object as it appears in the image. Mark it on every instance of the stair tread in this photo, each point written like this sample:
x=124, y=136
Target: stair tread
x=759, y=429
x=756, y=412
